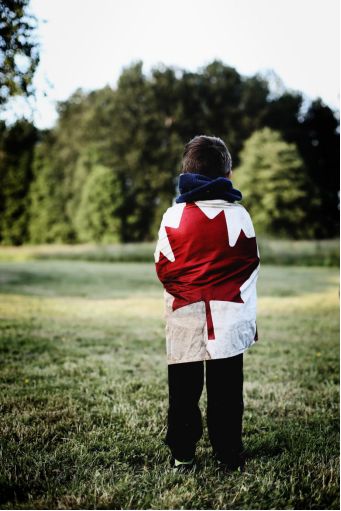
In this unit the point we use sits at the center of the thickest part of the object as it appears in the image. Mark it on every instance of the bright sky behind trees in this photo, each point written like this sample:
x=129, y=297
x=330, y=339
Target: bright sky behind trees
x=86, y=43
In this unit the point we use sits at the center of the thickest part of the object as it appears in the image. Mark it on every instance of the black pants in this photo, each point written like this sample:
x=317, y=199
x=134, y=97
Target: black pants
x=225, y=407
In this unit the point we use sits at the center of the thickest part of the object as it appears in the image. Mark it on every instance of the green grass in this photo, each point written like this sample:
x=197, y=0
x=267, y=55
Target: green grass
x=282, y=252
x=84, y=393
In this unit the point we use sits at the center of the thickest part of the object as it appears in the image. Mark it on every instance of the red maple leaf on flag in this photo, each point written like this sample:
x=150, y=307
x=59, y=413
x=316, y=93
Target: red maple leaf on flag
x=206, y=267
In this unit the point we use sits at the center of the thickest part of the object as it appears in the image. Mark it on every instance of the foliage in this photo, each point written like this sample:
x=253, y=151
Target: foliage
x=99, y=217
x=84, y=393
x=138, y=130
x=275, y=185
x=16, y=157
x=317, y=136
x=319, y=145
x=48, y=220
x=145, y=148
x=19, y=50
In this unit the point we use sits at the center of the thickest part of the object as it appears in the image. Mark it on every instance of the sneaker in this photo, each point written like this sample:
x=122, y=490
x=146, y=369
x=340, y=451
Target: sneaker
x=182, y=466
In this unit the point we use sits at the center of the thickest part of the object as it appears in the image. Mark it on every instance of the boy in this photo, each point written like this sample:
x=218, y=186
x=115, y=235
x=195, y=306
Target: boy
x=208, y=261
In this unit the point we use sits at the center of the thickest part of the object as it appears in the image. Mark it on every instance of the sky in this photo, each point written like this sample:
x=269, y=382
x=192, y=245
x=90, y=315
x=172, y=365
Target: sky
x=87, y=43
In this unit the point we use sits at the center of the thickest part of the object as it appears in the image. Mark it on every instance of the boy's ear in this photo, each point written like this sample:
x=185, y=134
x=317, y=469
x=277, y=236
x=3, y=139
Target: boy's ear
x=229, y=175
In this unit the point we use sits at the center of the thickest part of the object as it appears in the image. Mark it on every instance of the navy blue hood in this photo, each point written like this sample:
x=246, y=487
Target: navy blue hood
x=194, y=187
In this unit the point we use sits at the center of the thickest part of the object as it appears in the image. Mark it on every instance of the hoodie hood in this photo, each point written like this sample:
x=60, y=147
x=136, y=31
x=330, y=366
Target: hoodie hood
x=195, y=187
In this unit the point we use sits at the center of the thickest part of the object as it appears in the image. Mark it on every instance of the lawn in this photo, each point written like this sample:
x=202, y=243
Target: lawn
x=84, y=393
x=272, y=251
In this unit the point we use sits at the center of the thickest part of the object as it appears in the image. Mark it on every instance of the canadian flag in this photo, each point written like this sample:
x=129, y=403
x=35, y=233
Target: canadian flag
x=208, y=261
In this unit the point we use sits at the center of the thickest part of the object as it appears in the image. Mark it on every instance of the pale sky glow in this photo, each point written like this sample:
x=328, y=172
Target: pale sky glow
x=85, y=43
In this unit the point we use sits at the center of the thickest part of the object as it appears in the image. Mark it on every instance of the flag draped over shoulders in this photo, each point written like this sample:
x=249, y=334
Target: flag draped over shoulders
x=208, y=261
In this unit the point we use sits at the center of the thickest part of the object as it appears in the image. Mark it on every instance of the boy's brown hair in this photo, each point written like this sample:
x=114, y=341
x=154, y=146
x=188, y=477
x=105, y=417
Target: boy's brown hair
x=207, y=156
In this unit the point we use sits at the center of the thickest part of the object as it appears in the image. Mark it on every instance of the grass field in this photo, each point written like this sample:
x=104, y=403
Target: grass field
x=272, y=251
x=84, y=393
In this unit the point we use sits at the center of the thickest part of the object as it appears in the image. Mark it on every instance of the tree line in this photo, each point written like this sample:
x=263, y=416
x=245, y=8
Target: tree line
x=108, y=169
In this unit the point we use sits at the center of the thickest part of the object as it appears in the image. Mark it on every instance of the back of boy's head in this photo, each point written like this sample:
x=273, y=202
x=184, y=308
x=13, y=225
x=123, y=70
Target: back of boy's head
x=207, y=156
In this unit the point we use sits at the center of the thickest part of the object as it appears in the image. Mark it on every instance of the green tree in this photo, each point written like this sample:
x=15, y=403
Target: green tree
x=275, y=187
x=19, y=49
x=139, y=129
x=48, y=218
x=99, y=217
x=319, y=145
x=317, y=136
x=62, y=165
x=217, y=100
x=16, y=155
x=145, y=146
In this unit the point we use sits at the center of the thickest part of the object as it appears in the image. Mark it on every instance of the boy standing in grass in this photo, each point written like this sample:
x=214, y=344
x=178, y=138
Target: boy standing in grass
x=208, y=261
